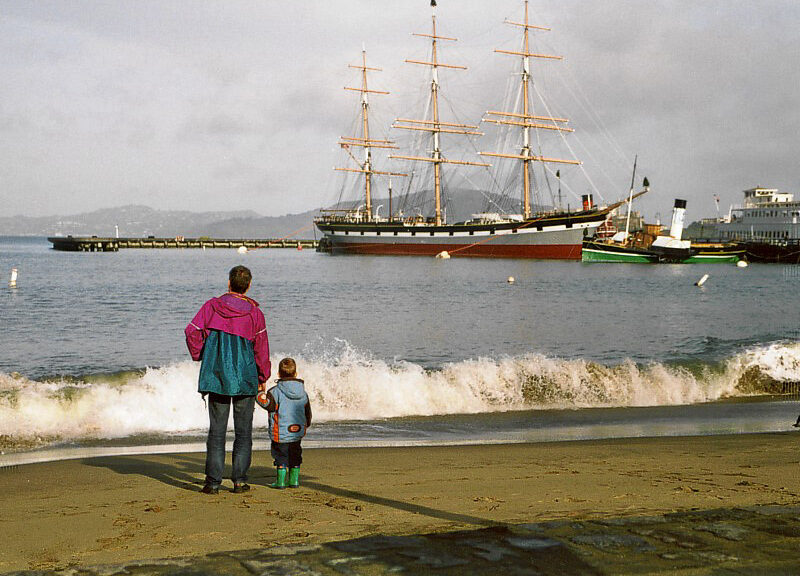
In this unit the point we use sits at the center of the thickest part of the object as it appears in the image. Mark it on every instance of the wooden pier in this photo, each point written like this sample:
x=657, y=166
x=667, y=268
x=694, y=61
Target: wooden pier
x=101, y=244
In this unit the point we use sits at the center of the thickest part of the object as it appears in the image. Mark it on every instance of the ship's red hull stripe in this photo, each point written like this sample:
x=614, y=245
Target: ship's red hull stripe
x=486, y=250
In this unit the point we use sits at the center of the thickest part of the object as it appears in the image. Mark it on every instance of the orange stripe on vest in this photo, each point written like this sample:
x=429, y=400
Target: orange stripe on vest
x=276, y=429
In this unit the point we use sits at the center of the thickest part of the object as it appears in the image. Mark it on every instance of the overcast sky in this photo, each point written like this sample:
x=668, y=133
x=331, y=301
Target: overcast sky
x=208, y=105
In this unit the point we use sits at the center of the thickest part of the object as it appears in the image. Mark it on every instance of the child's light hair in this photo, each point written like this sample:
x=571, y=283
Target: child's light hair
x=287, y=368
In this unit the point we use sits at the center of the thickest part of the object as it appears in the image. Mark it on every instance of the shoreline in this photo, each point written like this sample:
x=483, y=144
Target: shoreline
x=116, y=509
x=759, y=415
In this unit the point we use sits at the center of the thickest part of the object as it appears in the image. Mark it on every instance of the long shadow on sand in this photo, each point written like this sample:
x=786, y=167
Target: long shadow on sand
x=400, y=505
x=180, y=472
x=186, y=472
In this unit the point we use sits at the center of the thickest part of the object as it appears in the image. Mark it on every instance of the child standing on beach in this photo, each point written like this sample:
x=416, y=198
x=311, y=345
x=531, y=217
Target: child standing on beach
x=289, y=416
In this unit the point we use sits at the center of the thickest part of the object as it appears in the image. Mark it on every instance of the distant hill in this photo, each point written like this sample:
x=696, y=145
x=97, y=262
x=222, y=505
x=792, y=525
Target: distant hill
x=301, y=225
x=294, y=225
x=136, y=220
x=133, y=220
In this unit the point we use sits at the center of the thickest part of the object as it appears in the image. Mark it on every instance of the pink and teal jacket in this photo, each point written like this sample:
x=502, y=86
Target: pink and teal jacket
x=229, y=335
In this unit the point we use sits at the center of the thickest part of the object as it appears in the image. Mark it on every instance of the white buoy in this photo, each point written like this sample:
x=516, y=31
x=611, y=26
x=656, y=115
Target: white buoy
x=242, y=250
x=742, y=264
x=510, y=280
x=443, y=255
x=13, y=281
x=702, y=280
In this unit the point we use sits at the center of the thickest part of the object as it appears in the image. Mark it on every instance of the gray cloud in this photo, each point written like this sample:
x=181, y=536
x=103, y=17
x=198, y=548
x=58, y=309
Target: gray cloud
x=238, y=105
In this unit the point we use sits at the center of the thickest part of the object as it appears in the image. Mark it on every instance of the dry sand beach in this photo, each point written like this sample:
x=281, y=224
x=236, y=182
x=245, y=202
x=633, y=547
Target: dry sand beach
x=117, y=510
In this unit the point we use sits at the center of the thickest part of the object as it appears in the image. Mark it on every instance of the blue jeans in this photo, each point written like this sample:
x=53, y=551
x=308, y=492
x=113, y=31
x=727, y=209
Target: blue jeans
x=218, y=411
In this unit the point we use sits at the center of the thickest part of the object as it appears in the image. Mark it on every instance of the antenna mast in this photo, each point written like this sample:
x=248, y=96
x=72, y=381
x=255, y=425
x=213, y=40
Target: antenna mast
x=365, y=141
x=527, y=120
x=435, y=126
x=630, y=199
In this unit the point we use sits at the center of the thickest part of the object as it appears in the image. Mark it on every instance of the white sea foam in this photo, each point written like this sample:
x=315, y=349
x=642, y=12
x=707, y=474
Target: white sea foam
x=162, y=400
x=351, y=385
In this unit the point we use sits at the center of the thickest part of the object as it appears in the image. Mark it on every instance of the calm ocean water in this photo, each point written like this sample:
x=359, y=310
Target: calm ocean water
x=394, y=348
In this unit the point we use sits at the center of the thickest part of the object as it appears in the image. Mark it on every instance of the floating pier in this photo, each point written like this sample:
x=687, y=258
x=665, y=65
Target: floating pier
x=101, y=244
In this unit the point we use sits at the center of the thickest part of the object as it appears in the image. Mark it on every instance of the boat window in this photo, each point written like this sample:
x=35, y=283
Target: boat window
x=431, y=233
x=451, y=232
x=395, y=233
x=471, y=232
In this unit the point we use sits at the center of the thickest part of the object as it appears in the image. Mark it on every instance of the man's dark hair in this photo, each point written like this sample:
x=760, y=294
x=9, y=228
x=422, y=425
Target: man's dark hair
x=240, y=278
x=287, y=368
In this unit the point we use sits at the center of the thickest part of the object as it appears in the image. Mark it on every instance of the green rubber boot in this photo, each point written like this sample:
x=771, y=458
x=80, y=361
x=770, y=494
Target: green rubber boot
x=280, y=480
x=294, y=477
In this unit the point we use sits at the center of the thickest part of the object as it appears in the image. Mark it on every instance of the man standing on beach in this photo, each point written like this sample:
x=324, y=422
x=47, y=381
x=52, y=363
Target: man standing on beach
x=229, y=335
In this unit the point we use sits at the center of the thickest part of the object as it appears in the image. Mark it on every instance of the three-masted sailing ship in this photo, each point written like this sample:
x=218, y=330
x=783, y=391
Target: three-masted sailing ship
x=551, y=234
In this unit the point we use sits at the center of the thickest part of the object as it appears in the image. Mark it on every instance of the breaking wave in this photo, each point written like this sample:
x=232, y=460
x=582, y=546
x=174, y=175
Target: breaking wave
x=349, y=384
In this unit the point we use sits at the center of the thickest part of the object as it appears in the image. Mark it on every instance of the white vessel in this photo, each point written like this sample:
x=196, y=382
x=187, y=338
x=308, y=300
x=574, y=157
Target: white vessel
x=767, y=216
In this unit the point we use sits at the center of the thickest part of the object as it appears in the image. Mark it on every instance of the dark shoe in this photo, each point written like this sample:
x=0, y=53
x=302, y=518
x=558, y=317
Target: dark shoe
x=239, y=488
x=209, y=489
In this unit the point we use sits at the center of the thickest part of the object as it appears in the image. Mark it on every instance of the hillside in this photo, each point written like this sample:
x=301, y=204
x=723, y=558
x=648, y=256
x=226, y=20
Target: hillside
x=136, y=220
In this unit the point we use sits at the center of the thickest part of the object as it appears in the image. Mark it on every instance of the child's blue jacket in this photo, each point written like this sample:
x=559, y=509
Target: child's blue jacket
x=288, y=421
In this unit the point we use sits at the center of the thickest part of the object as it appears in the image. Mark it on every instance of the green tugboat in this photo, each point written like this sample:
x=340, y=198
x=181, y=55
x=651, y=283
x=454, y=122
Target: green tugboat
x=650, y=247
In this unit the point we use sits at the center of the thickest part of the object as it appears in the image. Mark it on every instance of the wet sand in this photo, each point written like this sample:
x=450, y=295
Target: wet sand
x=115, y=510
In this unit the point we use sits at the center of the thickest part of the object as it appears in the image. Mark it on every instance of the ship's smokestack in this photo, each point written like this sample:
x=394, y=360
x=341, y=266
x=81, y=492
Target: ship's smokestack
x=678, y=212
x=588, y=202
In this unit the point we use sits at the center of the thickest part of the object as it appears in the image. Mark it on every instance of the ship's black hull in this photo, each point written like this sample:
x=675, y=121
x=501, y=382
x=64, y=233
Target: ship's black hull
x=788, y=253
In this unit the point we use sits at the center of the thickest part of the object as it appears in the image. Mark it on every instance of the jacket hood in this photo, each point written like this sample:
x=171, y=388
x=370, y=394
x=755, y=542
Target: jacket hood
x=293, y=388
x=234, y=306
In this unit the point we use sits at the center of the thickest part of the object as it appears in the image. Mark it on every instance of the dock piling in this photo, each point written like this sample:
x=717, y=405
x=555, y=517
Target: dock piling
x=97, y=244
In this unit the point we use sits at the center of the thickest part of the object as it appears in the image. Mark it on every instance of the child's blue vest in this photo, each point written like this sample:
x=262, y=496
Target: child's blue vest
x=288, y=422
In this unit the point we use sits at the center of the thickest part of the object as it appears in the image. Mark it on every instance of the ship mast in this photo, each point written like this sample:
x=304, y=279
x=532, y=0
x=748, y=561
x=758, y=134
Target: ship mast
x=435, y=126
x=365, y=141
x=527, y=120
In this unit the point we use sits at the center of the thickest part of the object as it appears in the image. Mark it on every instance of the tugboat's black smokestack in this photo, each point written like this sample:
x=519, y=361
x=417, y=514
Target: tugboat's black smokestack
x=433, y=3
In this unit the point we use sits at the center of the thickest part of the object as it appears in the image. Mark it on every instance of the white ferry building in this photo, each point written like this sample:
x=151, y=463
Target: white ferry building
x=767, y=216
